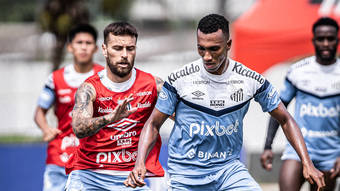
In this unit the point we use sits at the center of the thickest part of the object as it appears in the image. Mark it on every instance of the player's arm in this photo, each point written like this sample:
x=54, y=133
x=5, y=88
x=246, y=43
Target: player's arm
x=267, y=154
x=159, y=84
x=83, y=122
x=45, y=102
x=294, y=136
x=147, y=140
x=49, y=133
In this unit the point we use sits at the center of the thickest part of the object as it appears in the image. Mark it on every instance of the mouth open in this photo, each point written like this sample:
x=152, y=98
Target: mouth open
x=124, y=64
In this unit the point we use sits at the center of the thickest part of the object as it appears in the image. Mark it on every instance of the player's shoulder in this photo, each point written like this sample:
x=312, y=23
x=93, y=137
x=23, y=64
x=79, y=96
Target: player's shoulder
x=184, y=72
x=98, y=67
x=62, y=69
x=144, y=74
x=241, y=71
x=145, y=78
x=302, y=64
x=96, y=77
x=58, y=76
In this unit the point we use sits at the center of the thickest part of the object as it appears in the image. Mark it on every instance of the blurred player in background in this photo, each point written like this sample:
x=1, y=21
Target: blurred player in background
x=109, y=114
x=210, y=97
x=59, y=91
x=315, y=83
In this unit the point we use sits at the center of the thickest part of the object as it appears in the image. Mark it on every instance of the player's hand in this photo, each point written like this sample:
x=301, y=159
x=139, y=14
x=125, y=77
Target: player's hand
x=267, y=159
x=313, y=175
x=136, y=176
x=122, y=110
x=335, y=171
x=50, y=133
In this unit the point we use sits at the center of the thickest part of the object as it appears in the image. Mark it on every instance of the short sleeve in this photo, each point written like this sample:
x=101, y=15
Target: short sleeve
x=288, y=92
x=268, y=97
x=49, y=82
x=167, y=99
x=47, y=96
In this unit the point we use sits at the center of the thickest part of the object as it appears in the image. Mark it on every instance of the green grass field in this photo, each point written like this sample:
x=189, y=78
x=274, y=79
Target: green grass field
x=19, y=139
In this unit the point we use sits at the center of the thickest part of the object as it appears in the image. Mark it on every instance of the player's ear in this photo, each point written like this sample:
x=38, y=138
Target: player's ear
x=69, y=47
x=104, y=50
x=96, y=49
x=229, y=42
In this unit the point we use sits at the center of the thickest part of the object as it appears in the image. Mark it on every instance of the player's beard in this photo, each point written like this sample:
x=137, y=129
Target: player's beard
x=121, y=72
x=329, y=58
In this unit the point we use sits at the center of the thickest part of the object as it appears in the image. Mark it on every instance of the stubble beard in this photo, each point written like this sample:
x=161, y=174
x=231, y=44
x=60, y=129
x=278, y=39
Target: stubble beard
x=115, y=69
x=329, y=58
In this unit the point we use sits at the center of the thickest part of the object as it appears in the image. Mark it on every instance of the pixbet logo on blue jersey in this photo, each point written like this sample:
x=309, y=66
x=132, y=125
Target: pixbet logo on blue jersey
x=212, y=130
x=319, y=110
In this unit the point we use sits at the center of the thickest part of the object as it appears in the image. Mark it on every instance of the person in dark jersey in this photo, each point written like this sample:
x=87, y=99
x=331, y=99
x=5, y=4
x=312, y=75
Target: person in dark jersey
x=211, y=97
x=109, y=114
x=59, y=91
x=315, y=84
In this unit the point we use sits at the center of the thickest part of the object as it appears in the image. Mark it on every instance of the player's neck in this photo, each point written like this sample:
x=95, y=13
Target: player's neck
x=83, y=67
x=117, y=79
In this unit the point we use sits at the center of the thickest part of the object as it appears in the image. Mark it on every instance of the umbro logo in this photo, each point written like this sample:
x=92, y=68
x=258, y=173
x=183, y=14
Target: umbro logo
x=123, y=125
x=237, y=96
x=198, y=94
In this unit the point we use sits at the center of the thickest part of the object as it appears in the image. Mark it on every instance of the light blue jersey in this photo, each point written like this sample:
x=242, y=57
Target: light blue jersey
x=317, y=91
x=208, y=129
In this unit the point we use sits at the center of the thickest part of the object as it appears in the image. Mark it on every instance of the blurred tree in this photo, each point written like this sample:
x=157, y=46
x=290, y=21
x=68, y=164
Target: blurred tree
x=58, y=17
x=118, y=9
x=18, y=11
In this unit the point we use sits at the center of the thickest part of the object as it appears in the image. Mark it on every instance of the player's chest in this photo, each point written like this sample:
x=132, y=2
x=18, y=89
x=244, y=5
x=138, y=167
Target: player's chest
x=319, y=83
x=216, y=95
x=143, y=99
x=66, y=95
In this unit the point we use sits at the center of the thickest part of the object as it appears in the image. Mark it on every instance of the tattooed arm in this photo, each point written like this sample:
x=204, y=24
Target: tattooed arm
x=83, y=122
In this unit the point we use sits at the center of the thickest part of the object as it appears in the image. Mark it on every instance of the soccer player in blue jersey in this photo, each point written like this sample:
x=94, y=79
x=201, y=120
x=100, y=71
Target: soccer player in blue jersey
x=315, y=84
x=211, y=97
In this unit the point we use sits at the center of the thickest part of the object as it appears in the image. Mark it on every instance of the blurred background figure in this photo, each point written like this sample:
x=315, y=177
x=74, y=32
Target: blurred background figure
x=59, y=92
x=265, y=37
x=315, y=83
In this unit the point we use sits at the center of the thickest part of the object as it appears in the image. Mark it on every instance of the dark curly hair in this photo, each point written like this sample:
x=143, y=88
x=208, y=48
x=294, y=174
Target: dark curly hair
x=212, y=22
x=325, y=21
